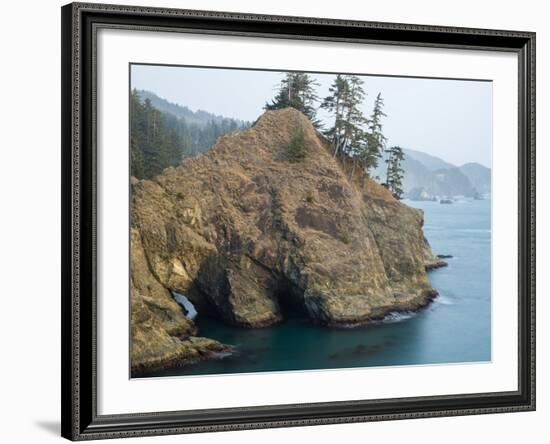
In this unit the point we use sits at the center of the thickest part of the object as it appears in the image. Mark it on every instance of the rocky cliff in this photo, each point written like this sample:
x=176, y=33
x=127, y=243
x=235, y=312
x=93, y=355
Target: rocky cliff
x=247, y=235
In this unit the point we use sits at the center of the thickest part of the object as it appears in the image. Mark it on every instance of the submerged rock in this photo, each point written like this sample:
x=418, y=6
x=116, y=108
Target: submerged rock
x=246, y=235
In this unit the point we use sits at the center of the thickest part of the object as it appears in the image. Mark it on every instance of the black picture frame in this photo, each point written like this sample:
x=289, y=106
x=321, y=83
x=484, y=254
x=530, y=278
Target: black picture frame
x=79, y=170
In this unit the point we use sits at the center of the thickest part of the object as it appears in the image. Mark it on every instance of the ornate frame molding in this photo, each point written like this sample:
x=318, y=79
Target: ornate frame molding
x=80, y=22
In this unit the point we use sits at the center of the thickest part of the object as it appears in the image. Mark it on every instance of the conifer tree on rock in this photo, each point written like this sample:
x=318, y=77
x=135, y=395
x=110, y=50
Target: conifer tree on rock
x=297, y=90
x=347, y=134
x=394, y=172
x=376, y=140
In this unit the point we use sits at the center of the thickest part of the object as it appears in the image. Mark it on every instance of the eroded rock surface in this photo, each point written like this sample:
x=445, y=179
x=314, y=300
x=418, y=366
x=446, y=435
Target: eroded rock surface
x=161, y=335
x=245, y=234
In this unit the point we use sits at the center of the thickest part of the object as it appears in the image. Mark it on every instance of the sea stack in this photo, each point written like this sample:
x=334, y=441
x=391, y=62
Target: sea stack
x=244, y=232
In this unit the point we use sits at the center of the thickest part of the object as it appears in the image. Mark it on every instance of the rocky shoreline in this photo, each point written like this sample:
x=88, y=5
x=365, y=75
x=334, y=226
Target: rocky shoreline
x=246, y=235
x=198, y=349
x=382, y=313
x=436, y=263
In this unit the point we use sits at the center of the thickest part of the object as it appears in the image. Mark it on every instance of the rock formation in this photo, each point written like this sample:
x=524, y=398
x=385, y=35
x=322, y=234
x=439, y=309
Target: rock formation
x=246, y=235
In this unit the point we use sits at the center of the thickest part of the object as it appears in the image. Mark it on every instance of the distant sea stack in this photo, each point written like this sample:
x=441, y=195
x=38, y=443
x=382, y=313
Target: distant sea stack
x=247, y=235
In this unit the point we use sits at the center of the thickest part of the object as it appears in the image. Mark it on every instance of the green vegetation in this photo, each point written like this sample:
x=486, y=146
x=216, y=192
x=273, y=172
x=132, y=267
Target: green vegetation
x=346, y=95
x=347, y=135
x=376, y=140
x=162, y=133
x=199, y=118
x=297, y=90
x=159, y=139
x=153, y=145
x=352, y=134
x=345, y=238
x=394, y=172
x=295, y=151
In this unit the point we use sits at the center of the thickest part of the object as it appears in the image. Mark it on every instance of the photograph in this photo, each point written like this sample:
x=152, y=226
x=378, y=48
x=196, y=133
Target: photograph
x=307, y=221
x=272, y=222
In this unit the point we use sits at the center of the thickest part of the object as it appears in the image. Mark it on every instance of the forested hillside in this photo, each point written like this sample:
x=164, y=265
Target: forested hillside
x=199, y=117
x=159, y=138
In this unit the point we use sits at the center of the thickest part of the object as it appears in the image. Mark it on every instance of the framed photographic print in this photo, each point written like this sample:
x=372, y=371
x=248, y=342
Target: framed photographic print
x=279, y=221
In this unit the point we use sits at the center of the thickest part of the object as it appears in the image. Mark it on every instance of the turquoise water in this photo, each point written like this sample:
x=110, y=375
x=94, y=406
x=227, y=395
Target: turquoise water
x=456, y=327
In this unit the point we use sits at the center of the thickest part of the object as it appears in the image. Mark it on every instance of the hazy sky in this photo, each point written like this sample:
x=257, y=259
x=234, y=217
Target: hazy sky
x=451, y=119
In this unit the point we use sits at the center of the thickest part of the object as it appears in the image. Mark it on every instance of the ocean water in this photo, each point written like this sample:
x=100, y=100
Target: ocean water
x=455, y=328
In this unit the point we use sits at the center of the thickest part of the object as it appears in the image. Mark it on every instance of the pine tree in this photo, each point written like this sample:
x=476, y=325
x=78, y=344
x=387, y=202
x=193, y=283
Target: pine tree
x=394, y=172
x=347, y=134
x=137, y=135
x=153, y=145
x=333, y=104
x=160, y=139
x=297, y=90
x=354, y=136
x=376, y=141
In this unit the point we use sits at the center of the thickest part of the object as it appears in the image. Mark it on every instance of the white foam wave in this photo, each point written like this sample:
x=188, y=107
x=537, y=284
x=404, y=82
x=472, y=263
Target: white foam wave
x=395, y=316
x=444, y=300
x=190, y=310
x=224, y=354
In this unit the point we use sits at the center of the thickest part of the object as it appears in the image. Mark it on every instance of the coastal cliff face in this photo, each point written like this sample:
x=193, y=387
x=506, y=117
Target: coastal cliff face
x=246, y=235
x=161, y=335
